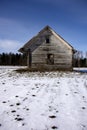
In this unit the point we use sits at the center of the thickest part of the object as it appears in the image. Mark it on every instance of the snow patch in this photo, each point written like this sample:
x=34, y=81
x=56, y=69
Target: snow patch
x=42, y=101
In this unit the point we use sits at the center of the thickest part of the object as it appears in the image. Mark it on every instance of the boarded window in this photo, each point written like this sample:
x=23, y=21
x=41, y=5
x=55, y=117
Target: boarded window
x=50, y=59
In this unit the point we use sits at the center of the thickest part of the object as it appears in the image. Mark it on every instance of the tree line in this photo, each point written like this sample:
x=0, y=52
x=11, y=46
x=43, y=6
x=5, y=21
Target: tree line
x=13, y=59
x=79, y=59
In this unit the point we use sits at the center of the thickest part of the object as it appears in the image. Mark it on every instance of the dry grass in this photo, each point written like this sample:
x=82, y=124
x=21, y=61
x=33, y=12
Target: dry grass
x=22, y=70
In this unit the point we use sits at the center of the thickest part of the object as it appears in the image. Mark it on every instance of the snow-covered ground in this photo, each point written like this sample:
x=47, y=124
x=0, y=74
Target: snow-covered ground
x=42, y=101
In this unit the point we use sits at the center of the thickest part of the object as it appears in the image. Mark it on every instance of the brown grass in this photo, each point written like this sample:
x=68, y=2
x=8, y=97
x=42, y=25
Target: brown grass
x=22, y=70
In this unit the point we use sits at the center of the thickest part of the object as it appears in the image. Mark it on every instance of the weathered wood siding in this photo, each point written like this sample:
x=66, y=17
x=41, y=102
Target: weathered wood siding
x=62, y=54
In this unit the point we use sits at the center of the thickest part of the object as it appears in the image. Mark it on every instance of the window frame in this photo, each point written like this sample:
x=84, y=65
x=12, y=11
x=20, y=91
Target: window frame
x=47, y=39
x=50, y=59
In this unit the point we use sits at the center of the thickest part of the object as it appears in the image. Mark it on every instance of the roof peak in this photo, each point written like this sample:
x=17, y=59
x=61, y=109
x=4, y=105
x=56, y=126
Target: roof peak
x=47, y=26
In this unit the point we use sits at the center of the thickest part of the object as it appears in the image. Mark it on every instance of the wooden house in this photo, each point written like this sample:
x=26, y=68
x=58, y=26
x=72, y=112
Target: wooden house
x=48, y=51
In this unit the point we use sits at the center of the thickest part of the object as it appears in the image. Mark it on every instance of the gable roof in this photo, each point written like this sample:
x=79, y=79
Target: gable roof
x=37, y=41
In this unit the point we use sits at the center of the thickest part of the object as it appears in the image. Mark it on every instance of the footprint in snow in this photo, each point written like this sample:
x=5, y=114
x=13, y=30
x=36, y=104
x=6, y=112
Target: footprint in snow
x=83, y=97
x=19, y=119
x=3, y=83
x=18, y=104
x=4, y=102
x=16, y=96
x=23, y=124
x=52, y=116
x=83, y=108
x=11, y=105
x=66, y=94
x=25, y=98
x=27, y=109
x=18, y=115
x=83, y=126
x=33, y=88
x=76, y=92
x=54, y=127
x=33, y=95
x=13, y=111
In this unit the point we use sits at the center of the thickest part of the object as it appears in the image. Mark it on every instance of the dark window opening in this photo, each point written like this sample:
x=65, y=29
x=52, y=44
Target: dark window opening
x=50, y=59
x=47, y=40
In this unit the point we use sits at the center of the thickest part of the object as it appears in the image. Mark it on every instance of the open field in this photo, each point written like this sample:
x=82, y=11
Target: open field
x=42, y=101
